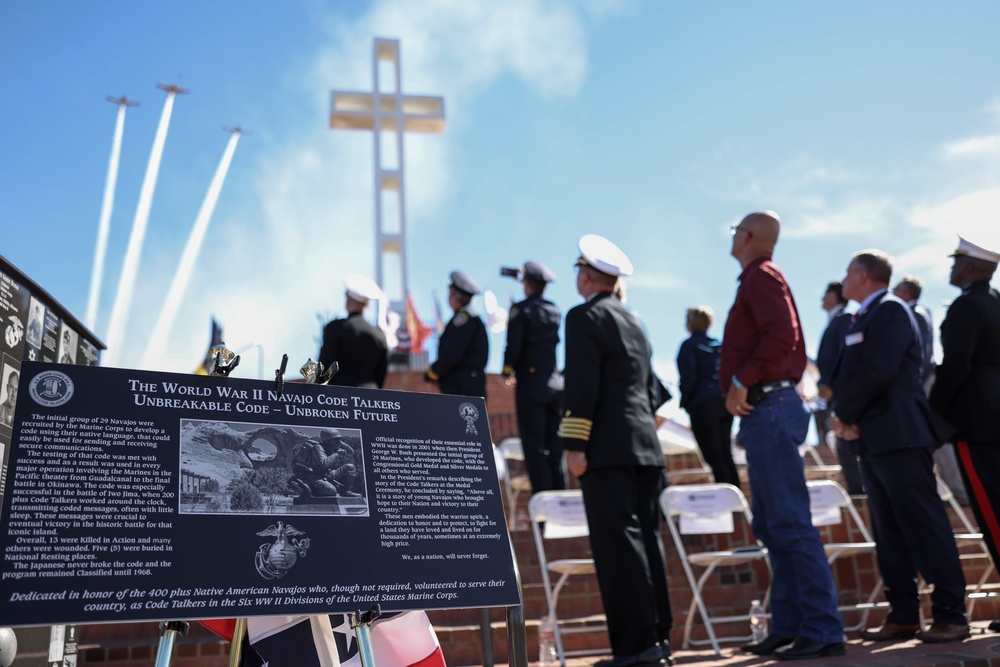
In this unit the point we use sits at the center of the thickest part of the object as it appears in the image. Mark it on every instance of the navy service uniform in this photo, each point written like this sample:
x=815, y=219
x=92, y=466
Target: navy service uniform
x=359, y=348
x=463, y=348
x=610, y=397
x=532, y=337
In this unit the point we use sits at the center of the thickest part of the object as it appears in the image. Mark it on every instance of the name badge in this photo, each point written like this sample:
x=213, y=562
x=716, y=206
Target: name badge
x=854, y=338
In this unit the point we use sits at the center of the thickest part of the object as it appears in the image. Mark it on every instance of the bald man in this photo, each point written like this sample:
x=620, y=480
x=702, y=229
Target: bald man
x=763, y=357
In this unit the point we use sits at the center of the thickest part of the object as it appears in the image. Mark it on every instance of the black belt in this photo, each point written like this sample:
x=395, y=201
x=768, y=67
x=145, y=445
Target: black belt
x=775, y=386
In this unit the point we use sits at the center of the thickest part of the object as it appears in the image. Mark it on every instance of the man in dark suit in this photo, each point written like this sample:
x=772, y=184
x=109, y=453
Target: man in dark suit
x=967, y=389
x=830, y=347
x=609, y=433
x=358, y=347
x=530, y=361
x=880, y=405
x=908, y=289
x=463, y=348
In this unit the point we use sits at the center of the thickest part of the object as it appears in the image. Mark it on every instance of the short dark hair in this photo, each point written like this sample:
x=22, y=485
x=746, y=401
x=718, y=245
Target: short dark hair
x=837, y=288
x=912, y=286
x=876, y=264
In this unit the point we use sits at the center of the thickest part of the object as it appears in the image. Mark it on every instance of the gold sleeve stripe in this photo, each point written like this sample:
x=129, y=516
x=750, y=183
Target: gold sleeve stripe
x=432, y=375
x=576, y=428
x=508, y=369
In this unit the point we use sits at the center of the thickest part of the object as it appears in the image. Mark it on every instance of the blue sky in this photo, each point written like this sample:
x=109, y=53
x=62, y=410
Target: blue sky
x=657, y=124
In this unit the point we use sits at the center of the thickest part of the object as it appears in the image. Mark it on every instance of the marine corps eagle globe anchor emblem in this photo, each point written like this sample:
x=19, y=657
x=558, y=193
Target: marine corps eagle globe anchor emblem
x=274, y=560
x=470, y=414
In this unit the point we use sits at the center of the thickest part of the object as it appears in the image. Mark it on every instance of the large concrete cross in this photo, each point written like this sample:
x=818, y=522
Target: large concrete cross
x=390, y=112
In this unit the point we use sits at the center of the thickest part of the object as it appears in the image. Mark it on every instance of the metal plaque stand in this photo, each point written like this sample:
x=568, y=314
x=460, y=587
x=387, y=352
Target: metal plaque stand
x=169, y=630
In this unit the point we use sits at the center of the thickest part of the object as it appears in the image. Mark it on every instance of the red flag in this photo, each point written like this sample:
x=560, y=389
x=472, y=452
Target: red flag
x=419, y=332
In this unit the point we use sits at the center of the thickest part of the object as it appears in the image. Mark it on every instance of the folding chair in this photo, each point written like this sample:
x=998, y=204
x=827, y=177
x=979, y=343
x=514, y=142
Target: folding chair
x=676, y=441
x=829, y=505
x=564, y=517
x=971, y=546
x=514, y=484
x=708, y=509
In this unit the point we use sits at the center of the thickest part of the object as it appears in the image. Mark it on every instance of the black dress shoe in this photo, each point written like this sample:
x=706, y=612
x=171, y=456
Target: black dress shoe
x=806, y=649
x=665, y=653
x=651, y=656
x=767, y=645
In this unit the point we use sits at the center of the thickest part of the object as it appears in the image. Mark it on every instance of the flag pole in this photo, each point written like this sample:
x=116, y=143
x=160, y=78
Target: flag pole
x=236, y=645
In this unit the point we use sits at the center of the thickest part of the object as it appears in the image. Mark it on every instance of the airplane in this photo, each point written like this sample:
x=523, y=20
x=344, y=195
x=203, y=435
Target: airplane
x=172, y=88
x=122, y=101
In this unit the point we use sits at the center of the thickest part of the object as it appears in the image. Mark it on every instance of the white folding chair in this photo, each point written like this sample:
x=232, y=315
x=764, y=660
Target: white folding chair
x=514, y=483
x=708, y=509
x=971, y=546
x=830, y=505
x=564, y=517
x=677, y=441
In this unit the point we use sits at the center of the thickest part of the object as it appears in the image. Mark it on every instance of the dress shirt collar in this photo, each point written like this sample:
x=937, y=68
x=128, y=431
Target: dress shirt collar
x=834, y=312
x=872, y=298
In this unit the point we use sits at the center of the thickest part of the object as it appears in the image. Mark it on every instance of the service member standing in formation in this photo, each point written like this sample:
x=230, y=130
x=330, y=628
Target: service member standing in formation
x=966, y=390
x=357, y=346
x=463, y=348
x=880, y=405
x=532, y=336
x=763, y=357
x=609, y=433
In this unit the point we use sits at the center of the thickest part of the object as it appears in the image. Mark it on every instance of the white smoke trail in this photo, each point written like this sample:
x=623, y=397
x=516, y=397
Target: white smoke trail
x=104, y=226
x=165, y=322
x=130, y=268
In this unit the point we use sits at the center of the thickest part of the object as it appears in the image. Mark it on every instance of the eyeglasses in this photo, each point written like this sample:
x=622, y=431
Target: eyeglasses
x=736, y=228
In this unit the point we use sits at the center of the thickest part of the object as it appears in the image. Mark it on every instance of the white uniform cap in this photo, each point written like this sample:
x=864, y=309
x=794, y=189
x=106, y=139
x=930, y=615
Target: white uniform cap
x=967, y=249
x=360, y=288
x=604, y=256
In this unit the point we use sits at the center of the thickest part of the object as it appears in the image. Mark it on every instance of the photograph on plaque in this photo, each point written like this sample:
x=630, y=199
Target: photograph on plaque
x=67, y=344
x=8, y=392
x=248, y=468
x=50, y=337
x=36, y=321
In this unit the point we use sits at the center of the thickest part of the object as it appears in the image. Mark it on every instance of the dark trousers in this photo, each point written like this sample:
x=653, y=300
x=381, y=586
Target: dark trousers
x=623, y=513
x=980, y=466
x=913, y=534
x=538, y=415
x=712, y=426
x=847, y=457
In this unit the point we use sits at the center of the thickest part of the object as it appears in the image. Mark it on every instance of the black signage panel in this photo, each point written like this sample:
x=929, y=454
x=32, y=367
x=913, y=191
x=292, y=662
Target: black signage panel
x=134, y=495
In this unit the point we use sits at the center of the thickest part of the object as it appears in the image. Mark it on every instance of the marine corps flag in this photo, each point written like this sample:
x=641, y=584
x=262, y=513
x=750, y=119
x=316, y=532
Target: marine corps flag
x=419, y=332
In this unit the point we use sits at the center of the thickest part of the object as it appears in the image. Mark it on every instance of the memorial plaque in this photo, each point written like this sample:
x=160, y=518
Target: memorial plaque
x=135, y=495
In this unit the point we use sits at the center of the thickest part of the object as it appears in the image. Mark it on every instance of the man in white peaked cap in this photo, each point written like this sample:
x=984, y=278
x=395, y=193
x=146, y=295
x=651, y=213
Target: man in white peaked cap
x=357, y=346
x=609, y=434
x=966, y=389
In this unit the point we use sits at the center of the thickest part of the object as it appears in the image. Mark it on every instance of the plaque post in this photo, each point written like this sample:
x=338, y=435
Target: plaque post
x=169, y=630
x=361, y=624
x=236, y=644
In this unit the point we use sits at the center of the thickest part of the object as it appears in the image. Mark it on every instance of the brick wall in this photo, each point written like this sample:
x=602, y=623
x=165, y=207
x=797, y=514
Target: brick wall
x=729, y=590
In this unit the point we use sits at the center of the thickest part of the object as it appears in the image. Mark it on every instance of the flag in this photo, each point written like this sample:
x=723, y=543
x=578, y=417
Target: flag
x=404, y=639
x=438, y=321
x=224, y=627
x=216, y=338
x=419, y=332
x=290, y=641
x=496, y=315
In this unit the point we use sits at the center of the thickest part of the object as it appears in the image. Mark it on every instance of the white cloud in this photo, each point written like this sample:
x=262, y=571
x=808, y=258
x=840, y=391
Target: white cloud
x=279, y=259
x=986, y=145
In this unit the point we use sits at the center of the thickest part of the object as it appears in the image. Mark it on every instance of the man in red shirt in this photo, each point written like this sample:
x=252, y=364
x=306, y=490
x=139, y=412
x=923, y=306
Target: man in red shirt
x=763, y=357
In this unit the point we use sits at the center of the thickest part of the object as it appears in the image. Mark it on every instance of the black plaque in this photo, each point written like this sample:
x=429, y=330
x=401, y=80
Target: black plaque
x=135, y=496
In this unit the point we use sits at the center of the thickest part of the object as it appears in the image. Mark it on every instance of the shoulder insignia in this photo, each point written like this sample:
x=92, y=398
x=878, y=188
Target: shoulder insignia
x=514, y=311
x=460, y=318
